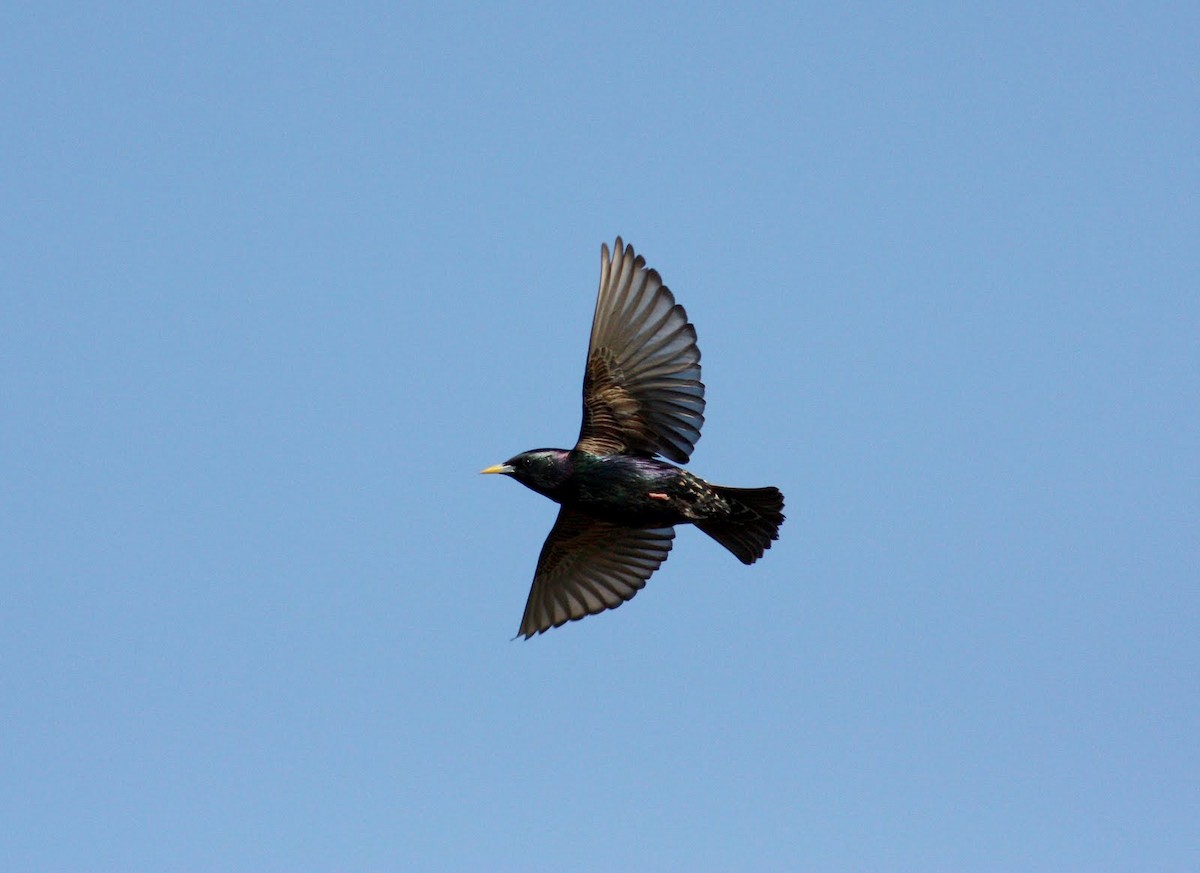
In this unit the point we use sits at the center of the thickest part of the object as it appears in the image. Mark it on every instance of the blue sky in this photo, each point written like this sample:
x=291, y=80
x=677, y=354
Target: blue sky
x=276, y=282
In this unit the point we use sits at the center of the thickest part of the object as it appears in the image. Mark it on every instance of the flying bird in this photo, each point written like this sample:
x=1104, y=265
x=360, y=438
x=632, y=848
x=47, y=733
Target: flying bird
x=619, y=504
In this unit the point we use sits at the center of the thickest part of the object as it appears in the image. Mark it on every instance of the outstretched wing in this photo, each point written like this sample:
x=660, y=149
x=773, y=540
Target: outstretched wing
x=642, y=392
x=587, y=566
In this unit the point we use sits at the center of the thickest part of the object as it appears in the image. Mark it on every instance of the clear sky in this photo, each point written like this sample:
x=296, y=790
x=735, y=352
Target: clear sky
x=276, y=282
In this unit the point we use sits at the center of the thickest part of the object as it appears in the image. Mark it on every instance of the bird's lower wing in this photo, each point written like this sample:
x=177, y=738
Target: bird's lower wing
x=587, y=566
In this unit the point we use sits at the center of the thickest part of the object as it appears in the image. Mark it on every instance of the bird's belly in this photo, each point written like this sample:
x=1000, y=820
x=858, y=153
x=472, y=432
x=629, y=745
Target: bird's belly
x=642, y=506
x=635, y=514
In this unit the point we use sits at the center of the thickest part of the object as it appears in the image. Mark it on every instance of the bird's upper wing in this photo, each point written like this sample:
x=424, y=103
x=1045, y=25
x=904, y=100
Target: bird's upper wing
x=587, y=566
x=642, y=392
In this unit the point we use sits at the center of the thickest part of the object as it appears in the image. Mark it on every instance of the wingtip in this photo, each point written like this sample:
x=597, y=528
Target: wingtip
x=619, y=251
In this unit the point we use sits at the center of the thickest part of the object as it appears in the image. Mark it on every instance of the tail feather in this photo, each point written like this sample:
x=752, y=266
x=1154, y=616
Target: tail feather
x=752, y=524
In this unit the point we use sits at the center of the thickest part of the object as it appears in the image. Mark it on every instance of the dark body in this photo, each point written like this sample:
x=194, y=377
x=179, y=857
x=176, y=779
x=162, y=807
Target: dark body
x=642, y=398
x=624, y=489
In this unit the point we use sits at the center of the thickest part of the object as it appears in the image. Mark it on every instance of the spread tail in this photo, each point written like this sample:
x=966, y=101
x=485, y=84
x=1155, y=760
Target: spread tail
x=753, y=522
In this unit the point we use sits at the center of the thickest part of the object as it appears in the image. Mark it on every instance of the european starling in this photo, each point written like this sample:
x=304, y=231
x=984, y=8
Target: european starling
x=642, y=397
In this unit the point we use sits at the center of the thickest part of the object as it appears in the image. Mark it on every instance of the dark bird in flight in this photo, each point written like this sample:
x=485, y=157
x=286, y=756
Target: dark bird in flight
x=642, y=397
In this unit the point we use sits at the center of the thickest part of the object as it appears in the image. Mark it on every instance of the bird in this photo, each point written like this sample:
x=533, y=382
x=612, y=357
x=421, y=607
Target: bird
x=619, y=490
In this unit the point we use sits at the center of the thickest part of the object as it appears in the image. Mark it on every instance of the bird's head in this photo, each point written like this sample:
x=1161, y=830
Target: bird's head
x=543, y=470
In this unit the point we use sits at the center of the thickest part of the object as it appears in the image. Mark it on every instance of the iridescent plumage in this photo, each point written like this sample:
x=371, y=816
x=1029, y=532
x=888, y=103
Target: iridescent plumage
x=642, y=397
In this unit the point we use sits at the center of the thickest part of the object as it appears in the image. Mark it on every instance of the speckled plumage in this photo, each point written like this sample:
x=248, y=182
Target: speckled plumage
x=642, y=396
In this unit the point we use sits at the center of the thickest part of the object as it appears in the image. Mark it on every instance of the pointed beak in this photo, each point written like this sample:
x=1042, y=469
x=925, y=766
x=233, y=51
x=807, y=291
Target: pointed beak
x=498, y=468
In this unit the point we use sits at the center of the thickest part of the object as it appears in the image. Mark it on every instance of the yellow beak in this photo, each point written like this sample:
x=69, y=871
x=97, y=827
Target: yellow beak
x=498, y=468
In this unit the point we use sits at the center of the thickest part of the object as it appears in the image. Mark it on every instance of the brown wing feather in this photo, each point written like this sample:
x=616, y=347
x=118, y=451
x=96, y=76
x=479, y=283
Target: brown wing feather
x=642, y=392
x=587, y=566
